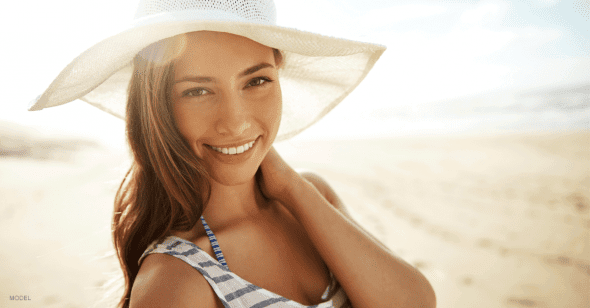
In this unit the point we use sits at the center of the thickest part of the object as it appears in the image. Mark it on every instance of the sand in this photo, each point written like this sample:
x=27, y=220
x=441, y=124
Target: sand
x=491, y=221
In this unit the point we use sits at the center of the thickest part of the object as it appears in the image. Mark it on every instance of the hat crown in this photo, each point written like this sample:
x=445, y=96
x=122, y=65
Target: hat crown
x=258, y=11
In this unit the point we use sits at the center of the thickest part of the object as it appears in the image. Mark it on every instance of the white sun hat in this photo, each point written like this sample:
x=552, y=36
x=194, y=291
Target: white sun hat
x=318, y=73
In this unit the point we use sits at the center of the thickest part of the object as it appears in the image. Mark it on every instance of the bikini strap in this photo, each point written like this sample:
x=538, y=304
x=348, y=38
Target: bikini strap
x=214, y=244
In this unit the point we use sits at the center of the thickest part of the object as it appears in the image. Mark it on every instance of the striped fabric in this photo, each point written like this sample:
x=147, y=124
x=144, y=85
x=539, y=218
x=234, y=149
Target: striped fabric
x=232, y=290
x=214, y=243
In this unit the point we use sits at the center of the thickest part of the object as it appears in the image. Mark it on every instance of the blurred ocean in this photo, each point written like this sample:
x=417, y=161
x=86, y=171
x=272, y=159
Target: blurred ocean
x=527, y=111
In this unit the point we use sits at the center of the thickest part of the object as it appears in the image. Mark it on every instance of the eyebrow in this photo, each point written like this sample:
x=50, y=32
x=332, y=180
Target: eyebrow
x=255, y=68
x=246, y=72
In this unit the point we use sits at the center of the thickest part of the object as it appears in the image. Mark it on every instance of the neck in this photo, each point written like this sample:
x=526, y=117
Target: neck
x=230, y=204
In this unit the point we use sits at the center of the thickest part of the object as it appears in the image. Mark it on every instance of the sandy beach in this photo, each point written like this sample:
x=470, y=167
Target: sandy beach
x=492, y=221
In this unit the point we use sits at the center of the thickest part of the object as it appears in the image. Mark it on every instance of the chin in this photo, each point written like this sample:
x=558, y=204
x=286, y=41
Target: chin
x=233, y=175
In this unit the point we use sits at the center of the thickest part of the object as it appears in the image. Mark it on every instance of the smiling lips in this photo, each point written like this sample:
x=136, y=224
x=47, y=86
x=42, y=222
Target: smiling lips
x=235, y=150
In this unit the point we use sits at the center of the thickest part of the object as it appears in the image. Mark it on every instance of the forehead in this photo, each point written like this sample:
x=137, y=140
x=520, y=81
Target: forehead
x=208, y=52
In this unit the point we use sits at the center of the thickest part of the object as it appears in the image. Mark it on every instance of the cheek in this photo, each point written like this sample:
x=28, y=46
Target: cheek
x=271, y=110
x=191, y=126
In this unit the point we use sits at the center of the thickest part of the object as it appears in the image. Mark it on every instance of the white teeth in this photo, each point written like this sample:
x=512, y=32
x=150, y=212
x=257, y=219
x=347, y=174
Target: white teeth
x=237, y=150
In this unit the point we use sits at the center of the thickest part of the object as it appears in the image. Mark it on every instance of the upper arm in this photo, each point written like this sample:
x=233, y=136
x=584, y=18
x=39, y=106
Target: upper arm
x=165, y=281
x=324, y=188
x=330, y=195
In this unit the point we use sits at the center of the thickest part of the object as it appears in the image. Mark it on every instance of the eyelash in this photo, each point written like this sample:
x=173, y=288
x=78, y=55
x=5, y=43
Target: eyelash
x=260, y=80
x=188, y=93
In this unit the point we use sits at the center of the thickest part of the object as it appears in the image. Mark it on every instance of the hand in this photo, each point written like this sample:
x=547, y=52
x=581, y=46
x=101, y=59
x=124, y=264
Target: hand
x=275, y=177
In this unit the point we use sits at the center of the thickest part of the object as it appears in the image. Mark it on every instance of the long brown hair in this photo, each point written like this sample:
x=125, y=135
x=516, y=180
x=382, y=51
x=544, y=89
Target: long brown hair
x=166, y=188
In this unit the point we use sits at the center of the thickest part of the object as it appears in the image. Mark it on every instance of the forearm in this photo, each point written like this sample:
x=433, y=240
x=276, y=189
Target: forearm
x=369, y=273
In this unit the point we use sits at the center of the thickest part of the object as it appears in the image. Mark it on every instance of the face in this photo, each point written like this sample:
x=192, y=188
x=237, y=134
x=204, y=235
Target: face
x=226, y=101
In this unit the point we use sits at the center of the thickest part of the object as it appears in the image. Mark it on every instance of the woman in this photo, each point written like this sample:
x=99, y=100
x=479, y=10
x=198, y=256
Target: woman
x=204, y=107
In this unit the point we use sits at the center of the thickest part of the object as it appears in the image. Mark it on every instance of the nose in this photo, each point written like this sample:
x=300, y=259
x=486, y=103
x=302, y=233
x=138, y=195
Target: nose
x=233, y=118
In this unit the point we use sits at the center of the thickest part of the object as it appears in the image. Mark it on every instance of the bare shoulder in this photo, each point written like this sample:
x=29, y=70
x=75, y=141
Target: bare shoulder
x=165, y=281
x=324, y=188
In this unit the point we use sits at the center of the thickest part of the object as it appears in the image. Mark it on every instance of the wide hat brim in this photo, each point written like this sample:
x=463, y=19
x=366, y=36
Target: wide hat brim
x=318, y=73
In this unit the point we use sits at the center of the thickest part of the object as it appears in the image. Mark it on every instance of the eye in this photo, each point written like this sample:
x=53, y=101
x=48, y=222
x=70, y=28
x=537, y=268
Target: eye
x=258, y=81
x=195, y=92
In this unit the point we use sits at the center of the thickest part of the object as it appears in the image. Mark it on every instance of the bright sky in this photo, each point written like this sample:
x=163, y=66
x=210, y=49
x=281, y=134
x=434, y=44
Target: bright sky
x=436, y=50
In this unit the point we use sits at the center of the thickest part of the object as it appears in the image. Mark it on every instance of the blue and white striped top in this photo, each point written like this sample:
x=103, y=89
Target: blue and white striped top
x=231, y=289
